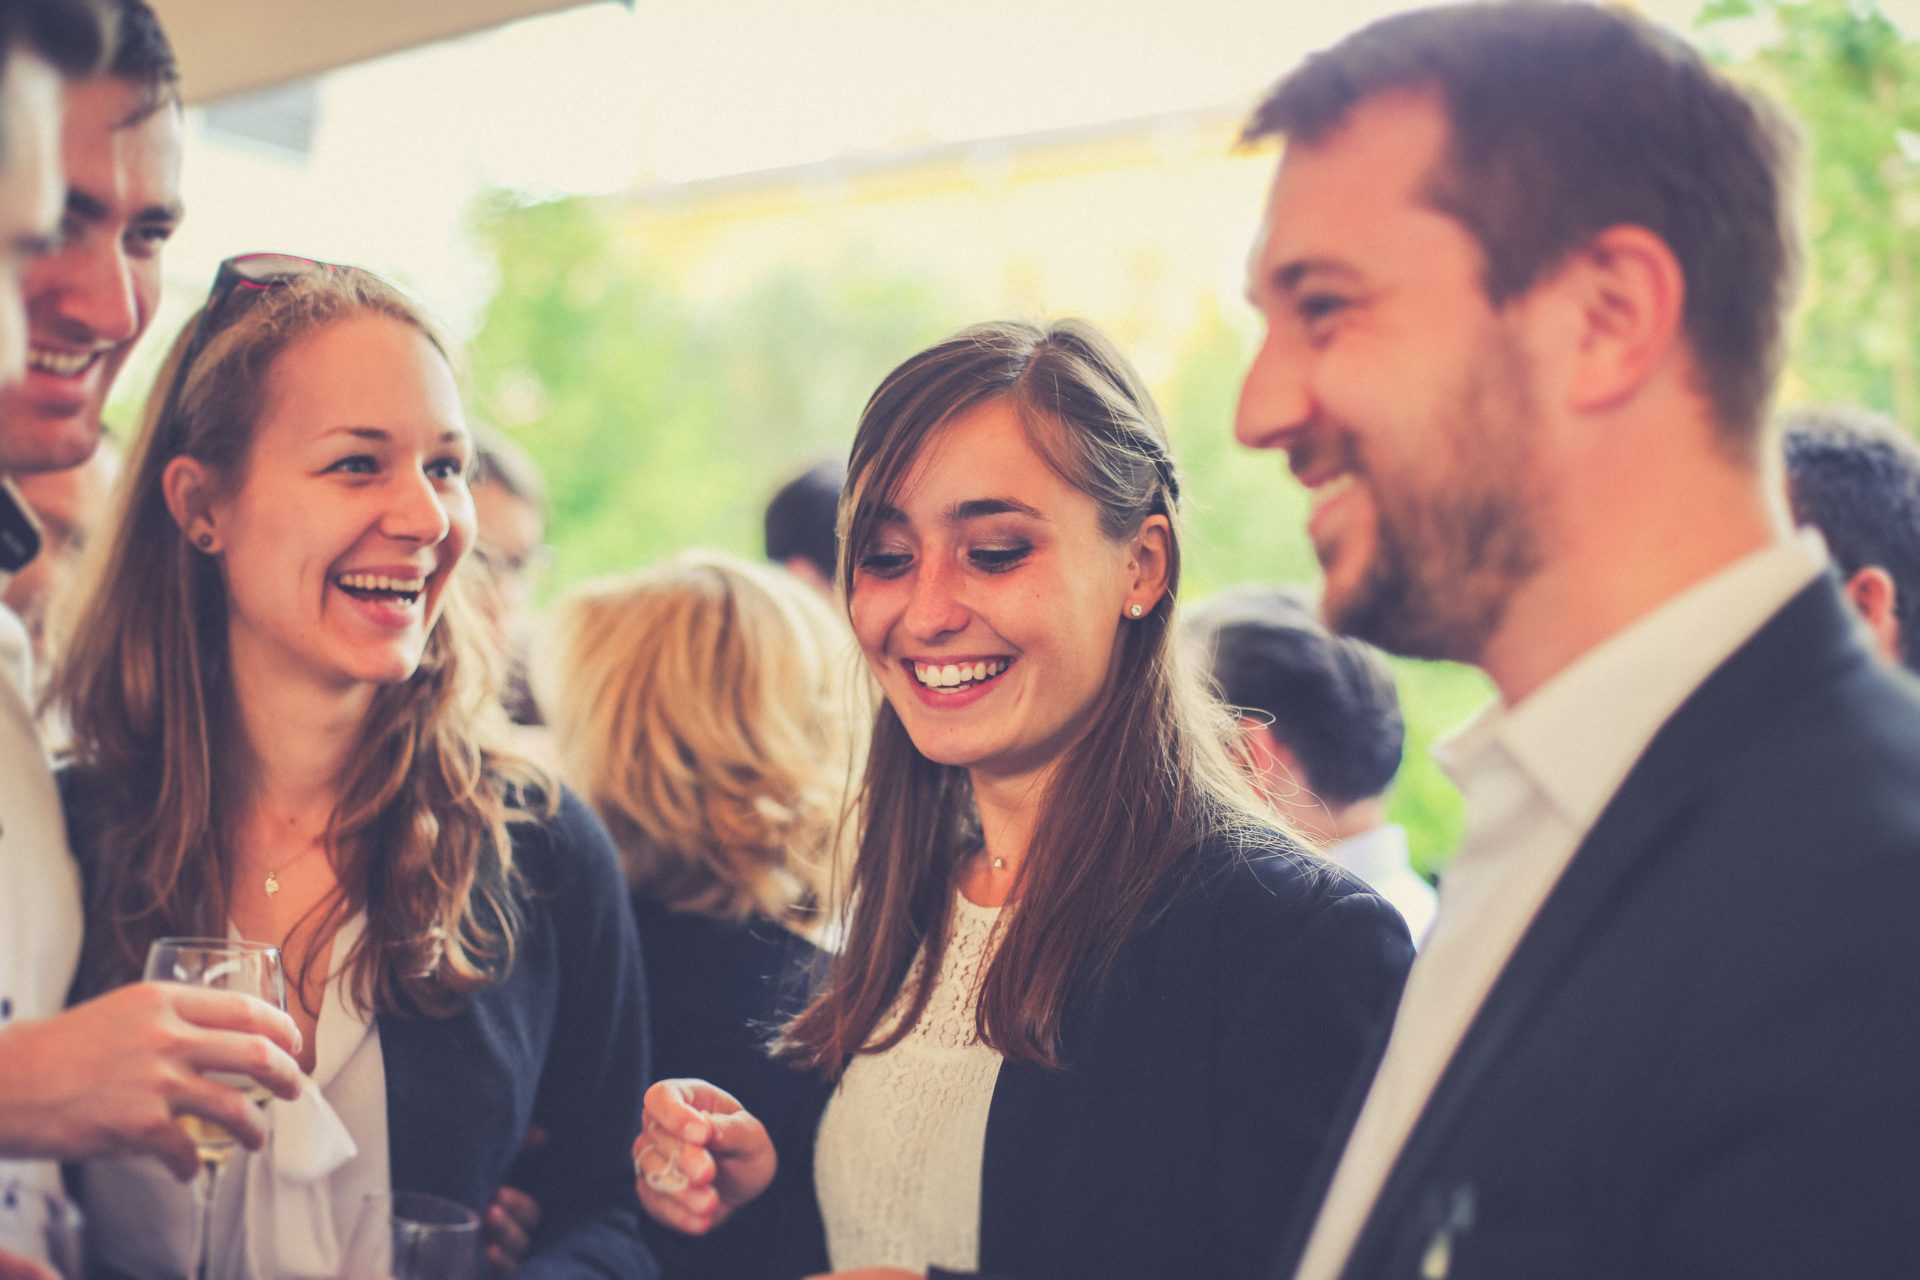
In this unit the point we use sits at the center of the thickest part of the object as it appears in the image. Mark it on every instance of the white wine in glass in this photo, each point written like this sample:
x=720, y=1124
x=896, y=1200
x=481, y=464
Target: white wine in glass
x=214, y=1143
x=251, y=968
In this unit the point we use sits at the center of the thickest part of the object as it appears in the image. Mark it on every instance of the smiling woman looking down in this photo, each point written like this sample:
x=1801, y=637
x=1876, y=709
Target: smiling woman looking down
x=281, y=734
x=1093, y=1016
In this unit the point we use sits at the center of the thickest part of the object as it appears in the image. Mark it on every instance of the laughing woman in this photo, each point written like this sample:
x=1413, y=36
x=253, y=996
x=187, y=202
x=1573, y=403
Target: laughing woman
x=280, y=734
x=1093, y=1016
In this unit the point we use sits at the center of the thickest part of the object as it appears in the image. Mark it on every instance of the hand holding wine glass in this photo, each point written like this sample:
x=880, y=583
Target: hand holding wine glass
x=252, y=969
x=108, y=1076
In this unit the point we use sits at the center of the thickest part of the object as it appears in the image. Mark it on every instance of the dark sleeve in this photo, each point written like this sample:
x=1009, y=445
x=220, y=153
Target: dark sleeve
x=595, y=1072
x=1290, y=1054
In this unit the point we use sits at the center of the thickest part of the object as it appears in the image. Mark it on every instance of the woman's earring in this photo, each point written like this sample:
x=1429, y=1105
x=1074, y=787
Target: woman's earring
x=205, y=540
x=1135, y=611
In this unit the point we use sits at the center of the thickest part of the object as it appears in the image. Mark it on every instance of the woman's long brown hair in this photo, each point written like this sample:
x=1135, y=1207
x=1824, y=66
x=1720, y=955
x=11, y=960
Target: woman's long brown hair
x=419, y=836
x=1127, y=804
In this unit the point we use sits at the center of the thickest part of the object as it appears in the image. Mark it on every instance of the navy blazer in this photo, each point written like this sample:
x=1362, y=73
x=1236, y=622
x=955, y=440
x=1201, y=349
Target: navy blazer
x=1701, y=1059
x=560, y=1043
x=1201, y=1081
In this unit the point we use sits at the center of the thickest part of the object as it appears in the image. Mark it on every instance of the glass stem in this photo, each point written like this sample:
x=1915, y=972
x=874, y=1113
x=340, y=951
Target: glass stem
x=206, y=1221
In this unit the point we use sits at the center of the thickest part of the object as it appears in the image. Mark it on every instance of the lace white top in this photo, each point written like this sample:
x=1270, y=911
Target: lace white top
x=897, y=1160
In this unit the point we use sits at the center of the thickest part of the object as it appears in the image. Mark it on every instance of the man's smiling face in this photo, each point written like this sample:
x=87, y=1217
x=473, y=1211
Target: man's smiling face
x=90, y=299
x=1401, y=396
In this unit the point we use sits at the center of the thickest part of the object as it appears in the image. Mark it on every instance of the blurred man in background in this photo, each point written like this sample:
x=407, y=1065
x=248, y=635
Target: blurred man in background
x=1855, y=476
x=510, y=547
x=1321, y=732
x=69, y=505
x=800, y=524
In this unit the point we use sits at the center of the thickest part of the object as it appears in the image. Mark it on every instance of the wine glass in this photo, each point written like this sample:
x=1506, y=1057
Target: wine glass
x=36, y=1221
x=410, y=1235
x=251, y=968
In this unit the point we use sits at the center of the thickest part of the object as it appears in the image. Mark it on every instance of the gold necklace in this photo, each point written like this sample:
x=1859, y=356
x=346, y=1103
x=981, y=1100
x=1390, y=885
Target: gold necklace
x=272, y=885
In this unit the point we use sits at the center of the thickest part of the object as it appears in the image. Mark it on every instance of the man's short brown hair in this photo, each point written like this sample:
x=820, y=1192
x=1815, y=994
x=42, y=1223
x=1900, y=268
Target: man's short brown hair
x=1567, y=118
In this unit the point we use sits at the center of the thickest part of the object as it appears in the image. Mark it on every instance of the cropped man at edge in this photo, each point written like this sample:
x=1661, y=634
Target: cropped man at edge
x=112, y=1074
x=1524, y=272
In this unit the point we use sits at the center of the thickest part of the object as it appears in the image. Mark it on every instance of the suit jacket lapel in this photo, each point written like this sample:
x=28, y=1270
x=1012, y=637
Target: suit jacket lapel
x=1801, y=646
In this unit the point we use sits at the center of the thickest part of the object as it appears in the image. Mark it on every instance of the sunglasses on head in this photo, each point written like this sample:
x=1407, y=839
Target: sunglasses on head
x=248, y=275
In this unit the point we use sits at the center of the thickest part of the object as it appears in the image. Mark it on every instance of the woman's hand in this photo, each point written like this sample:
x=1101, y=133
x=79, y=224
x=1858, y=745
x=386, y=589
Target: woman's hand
x=508, y=1228
x=15, y=1267
x=699, y=1156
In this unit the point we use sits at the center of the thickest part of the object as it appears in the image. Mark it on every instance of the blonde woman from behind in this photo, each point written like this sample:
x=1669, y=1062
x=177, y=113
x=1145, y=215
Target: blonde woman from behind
x=706, y=707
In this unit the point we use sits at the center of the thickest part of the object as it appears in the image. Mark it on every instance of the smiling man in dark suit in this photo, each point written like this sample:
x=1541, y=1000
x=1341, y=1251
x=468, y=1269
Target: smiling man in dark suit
x=1524, y=273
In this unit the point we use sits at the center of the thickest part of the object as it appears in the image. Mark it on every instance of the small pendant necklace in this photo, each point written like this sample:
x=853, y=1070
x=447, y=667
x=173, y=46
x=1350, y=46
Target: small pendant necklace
x=272, y=885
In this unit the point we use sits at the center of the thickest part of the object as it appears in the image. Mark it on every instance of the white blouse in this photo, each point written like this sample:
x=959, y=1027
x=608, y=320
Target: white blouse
x=897, y=1159
x=287, y=1211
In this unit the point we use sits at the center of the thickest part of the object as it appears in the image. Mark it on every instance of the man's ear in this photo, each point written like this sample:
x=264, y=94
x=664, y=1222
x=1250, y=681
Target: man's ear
x=1275, y=767
x=1629, y=297
x=189, y=490
x=1149, y=561
x=1876, y=598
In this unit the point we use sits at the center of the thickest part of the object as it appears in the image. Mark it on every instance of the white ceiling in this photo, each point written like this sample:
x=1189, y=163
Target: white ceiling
x=233, y=46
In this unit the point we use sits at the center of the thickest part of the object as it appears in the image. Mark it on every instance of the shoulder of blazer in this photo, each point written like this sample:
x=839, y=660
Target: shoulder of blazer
x=1264, y=873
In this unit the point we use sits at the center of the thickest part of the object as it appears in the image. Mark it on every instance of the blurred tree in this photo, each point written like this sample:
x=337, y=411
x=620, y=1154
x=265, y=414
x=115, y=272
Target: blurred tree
x=1853, y=80
x=662, y=425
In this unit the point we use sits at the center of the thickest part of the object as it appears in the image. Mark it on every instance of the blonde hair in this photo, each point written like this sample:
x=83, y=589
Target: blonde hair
x=705, y=708
x=421, y=827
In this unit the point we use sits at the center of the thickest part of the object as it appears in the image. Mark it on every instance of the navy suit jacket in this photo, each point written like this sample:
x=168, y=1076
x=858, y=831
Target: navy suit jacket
x=1701, y=1060
x=1202, y=1079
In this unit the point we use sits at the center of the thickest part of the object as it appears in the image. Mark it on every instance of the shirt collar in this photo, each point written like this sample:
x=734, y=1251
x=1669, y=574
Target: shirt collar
x=1373, y=854
x=1577, y=736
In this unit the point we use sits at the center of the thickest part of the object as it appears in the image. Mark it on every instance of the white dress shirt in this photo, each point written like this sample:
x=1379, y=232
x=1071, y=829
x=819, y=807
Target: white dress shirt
x=1536, y=777
x=1380, y=858
x=286, y=1212
x=39, y=889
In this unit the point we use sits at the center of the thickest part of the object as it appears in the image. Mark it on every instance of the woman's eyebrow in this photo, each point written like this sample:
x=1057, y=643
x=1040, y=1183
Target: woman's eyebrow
x=974, y=508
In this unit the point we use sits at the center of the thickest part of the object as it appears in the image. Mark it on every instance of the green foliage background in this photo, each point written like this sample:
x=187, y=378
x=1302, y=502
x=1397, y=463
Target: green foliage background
x=666, y=423
x=1853, y=81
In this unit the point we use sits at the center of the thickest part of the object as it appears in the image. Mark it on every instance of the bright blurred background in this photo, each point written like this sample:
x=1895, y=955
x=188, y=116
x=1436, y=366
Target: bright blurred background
x=683, y=241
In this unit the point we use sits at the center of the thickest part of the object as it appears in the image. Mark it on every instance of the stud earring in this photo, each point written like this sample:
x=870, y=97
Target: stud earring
x=1135, y=611
x=204, y=541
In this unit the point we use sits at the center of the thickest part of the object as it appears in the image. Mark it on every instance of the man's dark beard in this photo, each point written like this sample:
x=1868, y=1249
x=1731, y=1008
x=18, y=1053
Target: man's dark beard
x=1446, y=564
x=1424, y=610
